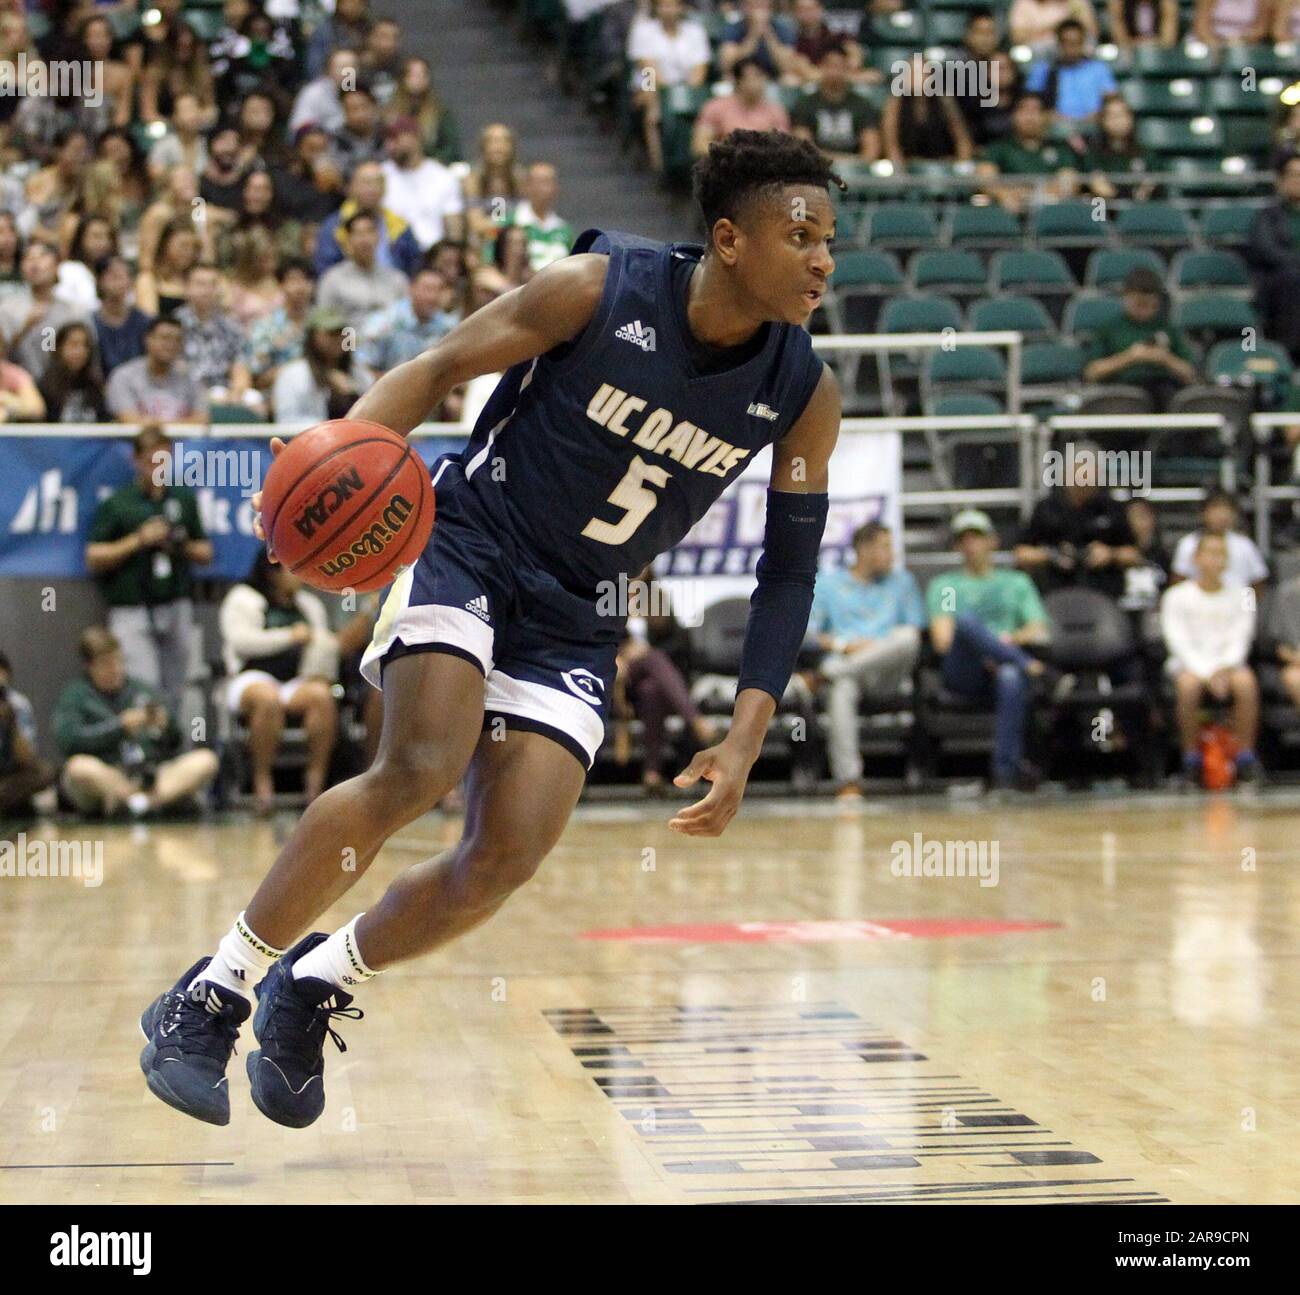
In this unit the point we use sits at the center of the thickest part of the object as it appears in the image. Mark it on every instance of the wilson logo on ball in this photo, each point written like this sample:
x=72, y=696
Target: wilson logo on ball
x=372, y=541
x=328, y=502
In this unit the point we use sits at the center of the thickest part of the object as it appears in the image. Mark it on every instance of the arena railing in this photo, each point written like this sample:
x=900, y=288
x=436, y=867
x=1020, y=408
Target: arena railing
x=1265, y=493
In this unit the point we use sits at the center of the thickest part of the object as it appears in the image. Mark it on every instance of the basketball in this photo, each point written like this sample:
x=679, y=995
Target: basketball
x=347, y=505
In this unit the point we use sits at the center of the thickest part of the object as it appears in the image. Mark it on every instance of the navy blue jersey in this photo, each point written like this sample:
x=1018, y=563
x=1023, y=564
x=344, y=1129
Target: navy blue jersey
x=599, y=455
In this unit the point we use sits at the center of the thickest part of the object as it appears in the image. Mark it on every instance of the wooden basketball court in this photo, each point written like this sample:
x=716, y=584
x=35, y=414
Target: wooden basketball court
x=1116, y=1019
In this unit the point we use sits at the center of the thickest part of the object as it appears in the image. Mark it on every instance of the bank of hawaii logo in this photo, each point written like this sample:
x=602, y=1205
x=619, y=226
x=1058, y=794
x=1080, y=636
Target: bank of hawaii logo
x=479, y=606
x=582, y=683
x=638, y=334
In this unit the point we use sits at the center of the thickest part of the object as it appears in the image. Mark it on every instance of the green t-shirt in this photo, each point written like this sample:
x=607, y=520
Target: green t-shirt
x=1012, y=158
x=1121, y=333
x=836, y=125
x=86, y=722
x=153, y=575
x=1004, y=601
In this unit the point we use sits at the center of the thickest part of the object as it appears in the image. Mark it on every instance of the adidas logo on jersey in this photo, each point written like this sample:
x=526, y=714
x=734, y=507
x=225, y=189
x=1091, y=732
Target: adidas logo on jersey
x=479, y=606
x=638, y=334
x=760, y=410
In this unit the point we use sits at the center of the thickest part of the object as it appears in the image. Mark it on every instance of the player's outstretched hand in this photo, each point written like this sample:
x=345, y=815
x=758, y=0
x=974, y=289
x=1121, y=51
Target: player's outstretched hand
x=728, y=770
x=277, y=448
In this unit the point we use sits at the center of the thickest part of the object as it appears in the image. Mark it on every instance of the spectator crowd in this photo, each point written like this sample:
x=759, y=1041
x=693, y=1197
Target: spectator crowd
x=259, y=221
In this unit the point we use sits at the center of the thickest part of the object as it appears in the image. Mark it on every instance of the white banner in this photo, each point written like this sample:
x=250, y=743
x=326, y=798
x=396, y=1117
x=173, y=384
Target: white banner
x=717, y=557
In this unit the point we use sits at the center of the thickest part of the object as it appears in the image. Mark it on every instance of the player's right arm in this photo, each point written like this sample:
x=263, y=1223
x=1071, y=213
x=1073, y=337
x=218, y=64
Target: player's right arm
x=552, y=307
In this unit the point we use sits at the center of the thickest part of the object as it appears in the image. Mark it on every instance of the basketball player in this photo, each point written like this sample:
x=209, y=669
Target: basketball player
x=638, y=381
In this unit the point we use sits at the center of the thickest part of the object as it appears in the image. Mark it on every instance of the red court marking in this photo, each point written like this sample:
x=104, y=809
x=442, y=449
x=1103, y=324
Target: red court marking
x=929, y=928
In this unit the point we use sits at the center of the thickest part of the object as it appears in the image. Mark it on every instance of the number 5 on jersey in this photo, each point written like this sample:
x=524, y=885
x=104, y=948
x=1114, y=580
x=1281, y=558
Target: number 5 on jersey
x=634, y=497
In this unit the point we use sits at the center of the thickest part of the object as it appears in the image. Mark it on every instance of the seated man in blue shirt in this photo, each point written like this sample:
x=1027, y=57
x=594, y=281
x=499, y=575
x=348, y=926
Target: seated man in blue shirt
x=868, y=618
x=1072, y=84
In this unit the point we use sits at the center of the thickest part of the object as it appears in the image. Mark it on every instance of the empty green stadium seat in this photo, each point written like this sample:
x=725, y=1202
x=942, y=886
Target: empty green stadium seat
x=964, y=366
x=1154, y=224
x=1015, y=314
x=1227, y=226
x=929, y=314
x=1229, y=361
x=1181, y=97
x=1221, y=270
x=988, y=226
x=1088, y=312
x=906, y=27
x=878, y=271
x=1068, y=224
x=1214, y=314
x=1108, y=268
x=1051, y=363
x=953, y=270
x=1265, y=60
x=904, y=226
x=1226, y=95
x=1035, y=272
x=965, y=404
x=1155, y=63
x=1187, y=137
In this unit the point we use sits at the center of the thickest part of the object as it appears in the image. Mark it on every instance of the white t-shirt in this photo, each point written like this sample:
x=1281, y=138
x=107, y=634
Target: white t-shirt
x=423, y=196
x=1245, y=564
x=1205, y=632
x=674, y=56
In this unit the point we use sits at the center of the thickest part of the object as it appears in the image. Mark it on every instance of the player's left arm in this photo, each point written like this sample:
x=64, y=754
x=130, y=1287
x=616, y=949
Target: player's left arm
x=778, y=611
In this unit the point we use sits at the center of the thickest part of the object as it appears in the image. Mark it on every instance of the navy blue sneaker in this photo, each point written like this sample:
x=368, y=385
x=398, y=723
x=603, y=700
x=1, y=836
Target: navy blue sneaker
x=188, y=1041
x=293, y=1017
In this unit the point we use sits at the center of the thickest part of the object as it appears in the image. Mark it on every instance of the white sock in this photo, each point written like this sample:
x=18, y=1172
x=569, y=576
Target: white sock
x=337, y=960
x=241, y=960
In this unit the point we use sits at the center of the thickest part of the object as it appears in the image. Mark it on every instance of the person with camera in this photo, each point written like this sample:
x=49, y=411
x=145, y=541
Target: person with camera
x=144, y=541
x=22, y=773
x=120, y=739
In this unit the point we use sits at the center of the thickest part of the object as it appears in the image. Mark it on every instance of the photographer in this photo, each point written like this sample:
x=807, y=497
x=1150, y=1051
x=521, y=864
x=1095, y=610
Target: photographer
x=120, y=739
x=22, y=773
x=143, y=542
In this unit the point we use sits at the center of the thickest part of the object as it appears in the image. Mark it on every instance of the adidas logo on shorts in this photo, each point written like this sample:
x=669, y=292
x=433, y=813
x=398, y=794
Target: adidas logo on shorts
x=479, y=606
x=638, y=334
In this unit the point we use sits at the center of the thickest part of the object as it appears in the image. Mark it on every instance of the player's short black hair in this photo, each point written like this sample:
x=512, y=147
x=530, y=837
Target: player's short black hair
x=748, y=163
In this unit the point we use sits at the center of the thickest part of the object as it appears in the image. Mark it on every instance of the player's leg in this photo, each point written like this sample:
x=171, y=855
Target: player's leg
x=433, y=718
x=433, y=715
x=312, y=701
x=521, y=791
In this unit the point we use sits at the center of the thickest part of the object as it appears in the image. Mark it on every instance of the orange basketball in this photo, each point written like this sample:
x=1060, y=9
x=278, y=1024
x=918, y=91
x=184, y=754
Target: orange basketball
x=347, y=505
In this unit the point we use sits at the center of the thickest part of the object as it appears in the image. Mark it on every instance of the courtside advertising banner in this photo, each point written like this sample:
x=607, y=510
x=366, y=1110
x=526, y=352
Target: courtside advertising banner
x=51, y=486
x=717, y=557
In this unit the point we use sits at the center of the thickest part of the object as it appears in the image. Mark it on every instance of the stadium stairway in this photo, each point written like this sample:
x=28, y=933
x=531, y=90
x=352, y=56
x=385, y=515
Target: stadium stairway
x=486, y=72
